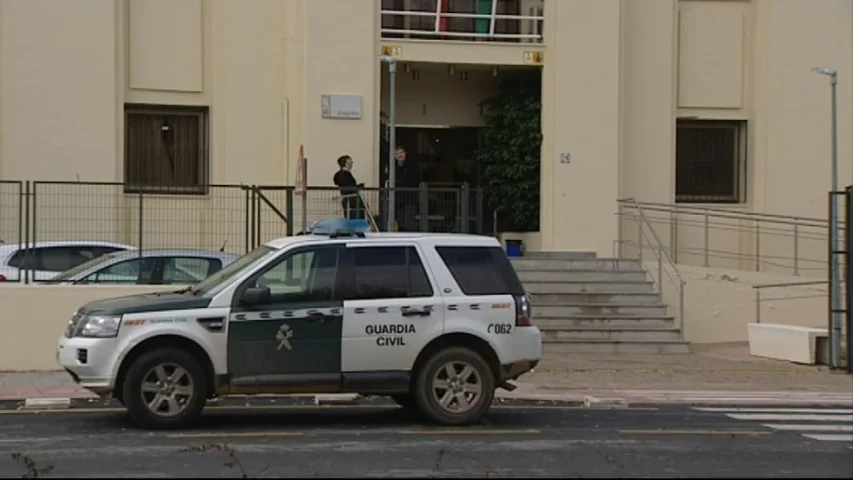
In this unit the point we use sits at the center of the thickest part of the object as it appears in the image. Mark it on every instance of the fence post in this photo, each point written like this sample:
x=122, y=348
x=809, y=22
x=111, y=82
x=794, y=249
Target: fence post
x=423, y=208
x=139, y=233
x=639, y=237
x=28, y=254
x=757, y=305
x=673, y=228
x=26, y=200
x=848, y=197
x=464, y=205
x=707, y=238
x=247, y=241
x=619, y=234
x=758, y=245
x=288, y=198
x=479, y=219
x=796, y=248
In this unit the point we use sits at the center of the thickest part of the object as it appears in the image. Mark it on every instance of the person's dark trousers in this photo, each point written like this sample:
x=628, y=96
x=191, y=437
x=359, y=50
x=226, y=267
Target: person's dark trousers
x=406, y=211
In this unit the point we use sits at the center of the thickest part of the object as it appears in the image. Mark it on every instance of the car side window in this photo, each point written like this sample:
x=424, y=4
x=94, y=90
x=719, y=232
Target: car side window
x=56, y=259
x=189, y=269
x=387, y=272
x=305, y=276
x=60, y=259
x=128, y=271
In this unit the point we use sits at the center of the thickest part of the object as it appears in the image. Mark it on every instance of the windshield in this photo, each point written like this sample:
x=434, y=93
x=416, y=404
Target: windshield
x=235, y=268
x=69, y=274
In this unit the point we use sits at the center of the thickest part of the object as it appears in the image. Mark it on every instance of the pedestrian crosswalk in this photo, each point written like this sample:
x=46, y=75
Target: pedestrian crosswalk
x=822, y=424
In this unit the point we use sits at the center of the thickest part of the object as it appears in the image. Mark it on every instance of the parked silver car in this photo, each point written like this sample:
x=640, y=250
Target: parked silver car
x=147, y=267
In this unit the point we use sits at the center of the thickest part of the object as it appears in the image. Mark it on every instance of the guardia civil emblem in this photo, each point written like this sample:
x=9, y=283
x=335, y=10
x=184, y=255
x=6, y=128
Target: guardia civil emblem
x=283, y=335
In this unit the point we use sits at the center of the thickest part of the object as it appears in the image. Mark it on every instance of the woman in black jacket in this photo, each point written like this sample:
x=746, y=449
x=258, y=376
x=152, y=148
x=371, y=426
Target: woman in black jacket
x=349, y=188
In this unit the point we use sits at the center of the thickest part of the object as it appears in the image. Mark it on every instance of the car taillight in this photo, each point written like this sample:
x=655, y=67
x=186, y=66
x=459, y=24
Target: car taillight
x=2, y=278
x=523, y=311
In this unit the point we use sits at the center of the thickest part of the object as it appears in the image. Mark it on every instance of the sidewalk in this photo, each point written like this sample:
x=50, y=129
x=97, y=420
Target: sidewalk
x=712, y=374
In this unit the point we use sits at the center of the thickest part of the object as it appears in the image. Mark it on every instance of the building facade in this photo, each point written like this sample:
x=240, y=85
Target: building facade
x=700, y=102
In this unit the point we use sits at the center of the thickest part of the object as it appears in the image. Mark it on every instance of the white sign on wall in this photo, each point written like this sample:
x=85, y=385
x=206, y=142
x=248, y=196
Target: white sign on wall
x=341, y=106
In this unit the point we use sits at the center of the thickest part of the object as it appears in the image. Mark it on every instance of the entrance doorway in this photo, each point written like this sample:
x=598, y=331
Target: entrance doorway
x=447, y=156
x=450, y=173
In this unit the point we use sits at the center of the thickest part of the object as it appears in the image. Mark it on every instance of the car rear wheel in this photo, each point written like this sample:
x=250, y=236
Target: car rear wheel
x=455, y=387
x=165, y=388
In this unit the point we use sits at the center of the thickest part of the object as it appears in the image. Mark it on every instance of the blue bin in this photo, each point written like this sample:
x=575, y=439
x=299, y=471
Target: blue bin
x=514, y=248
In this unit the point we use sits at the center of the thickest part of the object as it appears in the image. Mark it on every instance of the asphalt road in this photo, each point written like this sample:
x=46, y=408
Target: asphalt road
x=379, y=440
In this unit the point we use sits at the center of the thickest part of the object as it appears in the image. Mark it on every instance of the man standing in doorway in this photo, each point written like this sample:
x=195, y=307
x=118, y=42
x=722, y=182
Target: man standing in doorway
x=407, y=177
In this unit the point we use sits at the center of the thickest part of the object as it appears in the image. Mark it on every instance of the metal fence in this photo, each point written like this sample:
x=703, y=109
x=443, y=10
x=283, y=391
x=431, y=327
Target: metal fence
x=234, y=218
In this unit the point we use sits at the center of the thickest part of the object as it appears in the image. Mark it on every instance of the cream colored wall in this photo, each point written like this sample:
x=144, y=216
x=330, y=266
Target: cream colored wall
x=581, y=113
x=720, y=303
x=438, y=98
x=616, y=75
x=739, y=60
x=30, y=341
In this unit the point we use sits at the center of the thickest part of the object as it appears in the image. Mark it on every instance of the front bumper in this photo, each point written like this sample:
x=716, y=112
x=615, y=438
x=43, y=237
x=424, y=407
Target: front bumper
x=89, y=361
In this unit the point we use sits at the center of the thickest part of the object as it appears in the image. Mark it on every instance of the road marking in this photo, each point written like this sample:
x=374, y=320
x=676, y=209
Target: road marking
x=816, y=422
x=790, y=417
x=831, y=437
x=848, y=411
x=467, y=431
x=235, y=435
x=809, y=427
x=696, y=432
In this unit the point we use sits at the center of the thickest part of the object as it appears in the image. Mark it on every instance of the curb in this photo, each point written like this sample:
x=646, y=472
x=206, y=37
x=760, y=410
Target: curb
x=592, y=402
x=46, y=403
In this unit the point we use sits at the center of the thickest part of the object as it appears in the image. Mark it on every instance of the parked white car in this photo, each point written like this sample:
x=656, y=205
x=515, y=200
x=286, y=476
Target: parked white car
x=44, y=260
x=435, y=321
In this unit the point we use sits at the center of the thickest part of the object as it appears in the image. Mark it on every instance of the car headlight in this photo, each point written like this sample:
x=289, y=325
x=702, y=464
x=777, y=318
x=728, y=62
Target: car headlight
x=98, y=326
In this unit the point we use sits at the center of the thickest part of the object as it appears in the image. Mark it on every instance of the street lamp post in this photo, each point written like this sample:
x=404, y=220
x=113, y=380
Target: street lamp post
x=392, y=135
x=834, y=279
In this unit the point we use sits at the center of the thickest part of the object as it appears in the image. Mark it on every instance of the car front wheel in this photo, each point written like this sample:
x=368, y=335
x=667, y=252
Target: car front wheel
x=165, y=388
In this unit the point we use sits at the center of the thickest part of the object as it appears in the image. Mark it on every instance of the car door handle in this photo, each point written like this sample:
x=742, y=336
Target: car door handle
x=316, y=317
x=416, y=313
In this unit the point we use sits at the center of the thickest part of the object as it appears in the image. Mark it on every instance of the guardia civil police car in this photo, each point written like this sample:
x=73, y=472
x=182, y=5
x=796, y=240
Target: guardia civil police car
x=435, y=321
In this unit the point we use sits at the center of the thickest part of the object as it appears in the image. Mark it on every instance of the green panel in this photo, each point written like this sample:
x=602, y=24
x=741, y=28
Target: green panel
x=255, y=347
x=484, y=7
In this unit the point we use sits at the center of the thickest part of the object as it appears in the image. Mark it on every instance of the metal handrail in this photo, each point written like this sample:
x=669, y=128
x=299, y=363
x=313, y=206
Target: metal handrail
x=765, y=226
x=657, y=244
x=769, y=217
x=759, y=288
x=438, y=14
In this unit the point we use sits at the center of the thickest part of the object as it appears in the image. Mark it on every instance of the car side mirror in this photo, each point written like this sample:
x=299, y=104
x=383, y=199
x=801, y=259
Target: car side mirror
x=256, y=296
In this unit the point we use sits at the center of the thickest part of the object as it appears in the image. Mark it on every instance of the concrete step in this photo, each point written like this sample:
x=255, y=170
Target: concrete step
x=595, y=298
x=588, y=287
x=571, y=310
x=561, y=255
x=626, y=334
x=602, y=322
x=582, y=275
x=643, y=348
x=606, y=264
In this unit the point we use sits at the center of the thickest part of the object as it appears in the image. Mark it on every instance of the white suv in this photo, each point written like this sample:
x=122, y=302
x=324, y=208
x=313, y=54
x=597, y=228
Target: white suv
x=435, y=321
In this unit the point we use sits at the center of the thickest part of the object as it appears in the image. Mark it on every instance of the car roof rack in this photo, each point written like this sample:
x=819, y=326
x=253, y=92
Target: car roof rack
x=339, y=227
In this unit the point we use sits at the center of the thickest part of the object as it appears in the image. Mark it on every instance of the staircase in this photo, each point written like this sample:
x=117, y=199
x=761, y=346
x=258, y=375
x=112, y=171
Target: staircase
x=585, y=304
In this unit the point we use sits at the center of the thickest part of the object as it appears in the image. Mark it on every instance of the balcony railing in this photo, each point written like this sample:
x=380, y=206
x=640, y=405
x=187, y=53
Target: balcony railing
x=504, y=21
